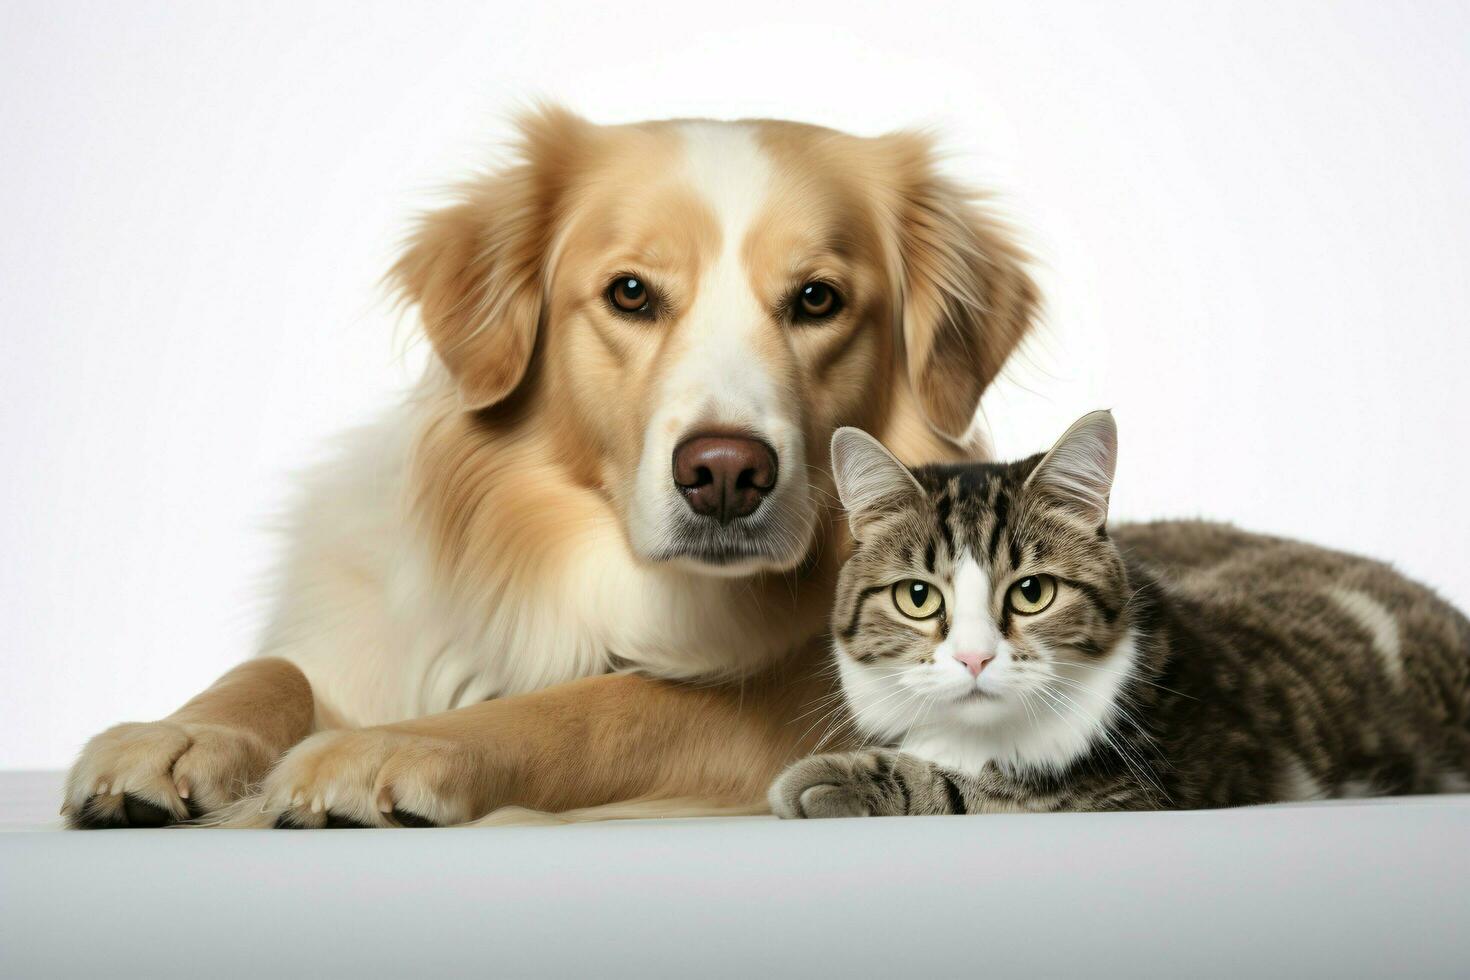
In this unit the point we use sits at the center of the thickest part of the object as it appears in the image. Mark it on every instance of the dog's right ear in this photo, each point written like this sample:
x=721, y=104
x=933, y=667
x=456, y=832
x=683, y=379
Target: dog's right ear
x=968, y=299
x=476, y=268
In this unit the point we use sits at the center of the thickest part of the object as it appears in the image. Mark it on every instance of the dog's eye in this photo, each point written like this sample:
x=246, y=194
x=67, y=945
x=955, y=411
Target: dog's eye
x=628, y=294
x=817, y=301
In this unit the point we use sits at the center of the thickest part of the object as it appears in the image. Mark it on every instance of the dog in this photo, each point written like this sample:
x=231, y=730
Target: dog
x=589, y=559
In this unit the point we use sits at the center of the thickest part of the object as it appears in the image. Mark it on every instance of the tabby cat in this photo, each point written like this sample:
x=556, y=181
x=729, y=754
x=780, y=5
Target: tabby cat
x=1012, y=652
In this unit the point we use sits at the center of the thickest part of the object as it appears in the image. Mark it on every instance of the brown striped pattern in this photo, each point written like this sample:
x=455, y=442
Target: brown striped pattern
x=1268, y=669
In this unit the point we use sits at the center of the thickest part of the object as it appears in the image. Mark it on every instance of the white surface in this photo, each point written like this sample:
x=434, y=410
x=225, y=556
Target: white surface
x=1362, y=888
x=1251, y=219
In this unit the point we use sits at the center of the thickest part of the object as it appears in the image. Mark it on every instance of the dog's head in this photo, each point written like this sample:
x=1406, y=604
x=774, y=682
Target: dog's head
x=698, y=305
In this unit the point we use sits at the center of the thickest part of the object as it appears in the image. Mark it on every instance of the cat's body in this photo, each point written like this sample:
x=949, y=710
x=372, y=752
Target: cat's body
x=1171, y=665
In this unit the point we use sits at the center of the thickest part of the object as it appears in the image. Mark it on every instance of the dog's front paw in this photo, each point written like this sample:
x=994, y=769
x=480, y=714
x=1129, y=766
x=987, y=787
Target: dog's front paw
x=152, y=774
x=821, y=786
x=369, y=777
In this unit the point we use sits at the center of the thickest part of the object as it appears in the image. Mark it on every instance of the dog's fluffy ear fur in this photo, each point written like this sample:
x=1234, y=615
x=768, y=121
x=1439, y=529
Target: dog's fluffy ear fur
x=476, y=267
x=968, y=300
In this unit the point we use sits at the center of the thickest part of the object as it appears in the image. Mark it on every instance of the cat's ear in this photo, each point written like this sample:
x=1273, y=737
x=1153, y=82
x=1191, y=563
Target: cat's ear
x=1078, y=470
x=870, y=479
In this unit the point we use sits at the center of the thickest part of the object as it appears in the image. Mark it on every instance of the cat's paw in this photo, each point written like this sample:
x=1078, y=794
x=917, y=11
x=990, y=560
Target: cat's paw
x=822, y=786
x=151, y=774
x=369, y=777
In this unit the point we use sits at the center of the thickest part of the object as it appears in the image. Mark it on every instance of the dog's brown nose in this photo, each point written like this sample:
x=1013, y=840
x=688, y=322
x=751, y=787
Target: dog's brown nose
x=724, y=477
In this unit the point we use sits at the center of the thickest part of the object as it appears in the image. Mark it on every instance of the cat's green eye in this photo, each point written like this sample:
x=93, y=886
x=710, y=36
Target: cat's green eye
x=1032, y=594
x=916, y=599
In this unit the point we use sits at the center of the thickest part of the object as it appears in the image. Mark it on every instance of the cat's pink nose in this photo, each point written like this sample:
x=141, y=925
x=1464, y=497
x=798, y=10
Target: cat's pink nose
x=974, y=660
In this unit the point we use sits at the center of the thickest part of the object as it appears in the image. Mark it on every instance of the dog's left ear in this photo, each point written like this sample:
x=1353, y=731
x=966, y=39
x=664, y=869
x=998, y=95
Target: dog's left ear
x=968, y=300
x=476, y=268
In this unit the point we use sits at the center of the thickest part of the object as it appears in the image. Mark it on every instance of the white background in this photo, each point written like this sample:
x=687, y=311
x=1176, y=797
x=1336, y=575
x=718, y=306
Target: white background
x=1251, y=223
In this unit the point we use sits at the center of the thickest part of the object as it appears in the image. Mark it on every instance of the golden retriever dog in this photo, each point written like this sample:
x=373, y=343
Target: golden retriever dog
x=589, y=560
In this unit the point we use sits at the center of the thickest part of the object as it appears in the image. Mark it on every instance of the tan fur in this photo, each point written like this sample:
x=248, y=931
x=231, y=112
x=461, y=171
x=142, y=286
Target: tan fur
x=207, y=753
x=520, y=468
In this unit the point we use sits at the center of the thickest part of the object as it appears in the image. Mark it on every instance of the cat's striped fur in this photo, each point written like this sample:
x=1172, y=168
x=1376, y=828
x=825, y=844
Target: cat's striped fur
x=1178, y=665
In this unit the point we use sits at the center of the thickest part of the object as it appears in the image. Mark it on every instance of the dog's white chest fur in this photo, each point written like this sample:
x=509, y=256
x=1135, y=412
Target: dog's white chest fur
x=362, y=612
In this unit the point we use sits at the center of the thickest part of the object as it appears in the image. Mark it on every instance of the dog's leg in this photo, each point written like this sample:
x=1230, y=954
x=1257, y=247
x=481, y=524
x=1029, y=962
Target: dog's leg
x=198, y=759
x=590, y=742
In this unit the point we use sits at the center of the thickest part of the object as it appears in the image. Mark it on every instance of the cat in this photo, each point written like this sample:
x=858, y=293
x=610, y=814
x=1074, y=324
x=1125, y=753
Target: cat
x=1012, y=652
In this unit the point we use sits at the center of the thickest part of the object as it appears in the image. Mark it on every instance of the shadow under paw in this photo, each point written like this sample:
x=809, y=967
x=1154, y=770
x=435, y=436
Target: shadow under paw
x=114, y=813
x=335, y=821
x=407, y=819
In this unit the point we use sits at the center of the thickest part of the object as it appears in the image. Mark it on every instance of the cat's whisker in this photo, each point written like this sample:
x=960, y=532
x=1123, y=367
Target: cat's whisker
x=838, y=723
x=1028, y=707
x=834, y=715
x=1051, y=703
x=902, y=709
x=923, y=713
x=825, y=704
x=834, y=697
x=1128, y=603
x=836, y=726
x=1132, y=675
x=1118, y=705
x=895, y=710
x=1140, y=768
x=843, y=724
x=889, y=697
x=1137, y=726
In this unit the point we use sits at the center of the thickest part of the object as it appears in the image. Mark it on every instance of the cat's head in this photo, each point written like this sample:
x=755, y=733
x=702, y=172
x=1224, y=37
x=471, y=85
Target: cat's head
x=976, y=592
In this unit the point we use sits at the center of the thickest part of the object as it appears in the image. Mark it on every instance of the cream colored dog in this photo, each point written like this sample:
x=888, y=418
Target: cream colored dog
x=590, y=559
